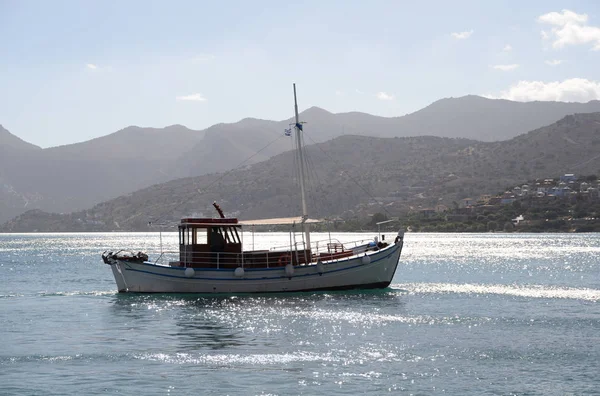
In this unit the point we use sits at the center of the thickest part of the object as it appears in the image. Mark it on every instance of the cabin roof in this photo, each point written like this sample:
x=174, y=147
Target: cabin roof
x=208, y=222
x=230, y=222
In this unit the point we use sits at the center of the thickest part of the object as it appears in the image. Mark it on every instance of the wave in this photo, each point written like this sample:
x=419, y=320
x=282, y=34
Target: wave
x=531, y=291
x=228, y=359
x=277, y=360
x=367, y=318
x=78, y=293
x=15, y=295
x=341, y=356
x=61, y=294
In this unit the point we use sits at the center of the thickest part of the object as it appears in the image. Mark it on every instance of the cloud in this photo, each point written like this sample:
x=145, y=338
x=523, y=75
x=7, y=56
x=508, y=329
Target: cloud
x=91, y=66
x=505, y=67
x=385, y=96
x=358, y=91
x=570, y=28
x=197, y=97
x=570, y=90
x=554, y=62
x=567, y=16
x=339, y=93
x=507, y=48
x=462, y=35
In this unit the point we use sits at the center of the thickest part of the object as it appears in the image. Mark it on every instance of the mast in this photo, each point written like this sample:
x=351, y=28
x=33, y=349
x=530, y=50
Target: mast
x=301, y=167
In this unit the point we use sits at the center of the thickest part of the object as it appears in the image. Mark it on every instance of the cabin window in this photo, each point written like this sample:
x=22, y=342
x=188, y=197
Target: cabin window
x=185, y=236
x=193, y=236
x=230, y=234
x=201, y=236
x=187, y=240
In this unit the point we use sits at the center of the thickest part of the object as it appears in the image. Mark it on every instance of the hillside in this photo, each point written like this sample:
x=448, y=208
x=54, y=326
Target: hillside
x=562, y=203
x=76, y=176
x=403, y=174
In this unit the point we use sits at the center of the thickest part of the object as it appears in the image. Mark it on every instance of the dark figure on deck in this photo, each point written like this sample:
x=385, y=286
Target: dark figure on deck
x=217, y=242
x=217, y=245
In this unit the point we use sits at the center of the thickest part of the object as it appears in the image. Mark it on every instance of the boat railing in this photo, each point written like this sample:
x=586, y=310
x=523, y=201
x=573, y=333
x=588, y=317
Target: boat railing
x=221, y=260
x=333, y=245
x=330, y=245
x=323, y=250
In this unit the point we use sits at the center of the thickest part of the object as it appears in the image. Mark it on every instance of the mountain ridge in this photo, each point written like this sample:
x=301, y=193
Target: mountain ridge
x=402, y=174
x=74, y=177
x=316, y=109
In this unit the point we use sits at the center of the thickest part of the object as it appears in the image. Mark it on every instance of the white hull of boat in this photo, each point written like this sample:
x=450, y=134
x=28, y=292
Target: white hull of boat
x=354, y=272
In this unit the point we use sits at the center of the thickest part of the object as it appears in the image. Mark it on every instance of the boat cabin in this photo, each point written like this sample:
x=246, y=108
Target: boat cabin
x=209, y=242
x=217, y=243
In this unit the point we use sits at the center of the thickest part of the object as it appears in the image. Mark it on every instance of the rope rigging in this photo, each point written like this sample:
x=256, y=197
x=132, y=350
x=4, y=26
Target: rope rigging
x=162, y=216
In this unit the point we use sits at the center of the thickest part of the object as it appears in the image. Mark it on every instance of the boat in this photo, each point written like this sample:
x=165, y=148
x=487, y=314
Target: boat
x=212, y=257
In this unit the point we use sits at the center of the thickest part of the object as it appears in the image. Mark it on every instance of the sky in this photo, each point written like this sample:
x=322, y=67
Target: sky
x=75, y=70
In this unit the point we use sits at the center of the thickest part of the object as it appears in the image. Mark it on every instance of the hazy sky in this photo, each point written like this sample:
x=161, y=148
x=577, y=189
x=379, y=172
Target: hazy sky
x=74, y=70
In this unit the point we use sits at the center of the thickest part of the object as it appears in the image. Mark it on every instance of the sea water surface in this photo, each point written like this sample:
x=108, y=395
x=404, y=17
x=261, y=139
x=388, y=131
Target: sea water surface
x=466, y=314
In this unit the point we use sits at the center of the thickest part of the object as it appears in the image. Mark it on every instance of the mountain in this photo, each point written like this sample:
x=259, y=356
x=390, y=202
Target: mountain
x=471, y=117
x=133, y=142
x=76, y=176
x=475, y=117
x=227, y=145
x=12, y=142
x=351, y=176
x=11, y=149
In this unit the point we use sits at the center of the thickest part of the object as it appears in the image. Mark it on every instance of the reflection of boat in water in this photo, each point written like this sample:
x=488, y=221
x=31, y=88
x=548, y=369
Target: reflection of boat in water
x=192, y=322
x=201, y=333
x=211, y=258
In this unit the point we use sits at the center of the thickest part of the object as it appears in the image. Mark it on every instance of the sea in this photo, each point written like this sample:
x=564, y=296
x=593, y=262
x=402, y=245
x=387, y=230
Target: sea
x=466, y=314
